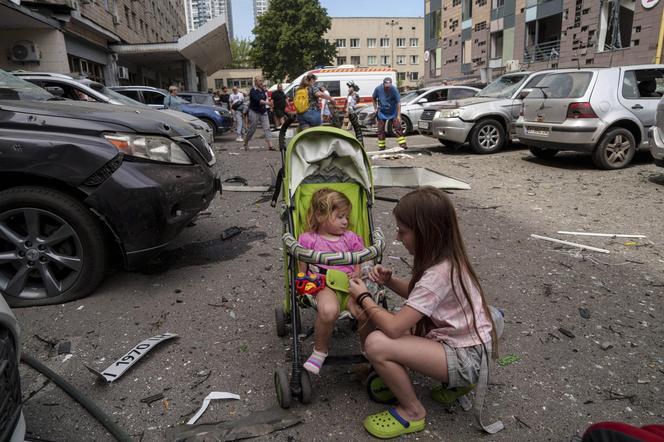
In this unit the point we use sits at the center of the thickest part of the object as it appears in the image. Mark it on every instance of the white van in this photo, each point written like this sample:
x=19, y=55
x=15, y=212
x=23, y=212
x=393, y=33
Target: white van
x=335, y=79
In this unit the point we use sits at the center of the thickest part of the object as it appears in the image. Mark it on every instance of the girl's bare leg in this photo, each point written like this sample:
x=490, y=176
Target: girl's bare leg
x=390, y=357
x=327, y=306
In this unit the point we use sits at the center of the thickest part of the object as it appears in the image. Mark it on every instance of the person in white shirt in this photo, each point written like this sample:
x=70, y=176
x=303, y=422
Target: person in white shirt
x=236, y=101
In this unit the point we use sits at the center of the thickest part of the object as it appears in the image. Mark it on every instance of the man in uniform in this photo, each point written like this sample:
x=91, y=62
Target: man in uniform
x=387, y=105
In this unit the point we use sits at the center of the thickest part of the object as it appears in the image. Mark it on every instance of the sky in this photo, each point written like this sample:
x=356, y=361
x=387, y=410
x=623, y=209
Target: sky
x=243, y=11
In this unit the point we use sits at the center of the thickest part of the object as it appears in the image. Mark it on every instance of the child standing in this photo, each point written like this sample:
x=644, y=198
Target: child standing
x=328, y=232
x=444, y=304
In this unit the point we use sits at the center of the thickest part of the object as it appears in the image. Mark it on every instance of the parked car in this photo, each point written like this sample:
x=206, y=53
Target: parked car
x=412, y=105
x=84, y=89
x=602, y=111
x=219, y=120
x=485, y=120
x=198, y=98
x=84, y=185
x=12, y=423
x=656, y=135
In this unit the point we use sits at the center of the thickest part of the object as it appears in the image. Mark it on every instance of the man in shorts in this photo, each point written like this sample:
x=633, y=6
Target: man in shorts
x=387, y=105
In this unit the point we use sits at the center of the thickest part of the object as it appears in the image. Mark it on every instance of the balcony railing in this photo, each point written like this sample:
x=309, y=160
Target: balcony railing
x=542, y=52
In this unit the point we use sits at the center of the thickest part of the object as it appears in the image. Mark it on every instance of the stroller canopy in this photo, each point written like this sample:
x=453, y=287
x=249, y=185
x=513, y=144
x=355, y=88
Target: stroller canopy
x=325, y=154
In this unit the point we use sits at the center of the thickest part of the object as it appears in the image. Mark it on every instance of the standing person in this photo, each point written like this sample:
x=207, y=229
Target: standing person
x=258, y=103
x=236, y=100
x=279, y=100
x=215, y=98
x=352, y=100
x=325, y=114
x=224, y=98
x=445, y=304
x=172, y=101
x=306, y=102
x=387, y=105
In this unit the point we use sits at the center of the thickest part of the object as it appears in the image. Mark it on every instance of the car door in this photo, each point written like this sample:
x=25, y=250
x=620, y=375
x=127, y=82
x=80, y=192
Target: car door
x=154, y=99
x=459, y=93
x=640, y=92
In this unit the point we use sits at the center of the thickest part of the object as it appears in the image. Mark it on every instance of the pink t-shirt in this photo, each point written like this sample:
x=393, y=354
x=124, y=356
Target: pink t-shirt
x=448, y=309
x=348, y=242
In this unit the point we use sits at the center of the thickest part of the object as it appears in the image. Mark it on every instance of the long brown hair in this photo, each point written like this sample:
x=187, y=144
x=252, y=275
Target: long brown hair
x=429, y=213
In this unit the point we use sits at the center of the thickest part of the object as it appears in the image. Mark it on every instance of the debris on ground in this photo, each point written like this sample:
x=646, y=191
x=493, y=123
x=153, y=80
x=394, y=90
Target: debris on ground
x=64, y=347
x=246, y=188
x=584, y=313
x=154, y=398
x=230, y=232
x=213, y=396
x=119, y=367
x=508, y=360
x=569, y=243
x=566, y=332
x=412, y=177
x=256, y=424
x=606, y=235
x=606, y=346
x=237, y=179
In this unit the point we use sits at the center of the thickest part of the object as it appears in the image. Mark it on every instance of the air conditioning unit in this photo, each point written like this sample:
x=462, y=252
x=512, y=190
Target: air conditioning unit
x=512, y=66
x=116, y=19
x=25, y=50
x=123, y=73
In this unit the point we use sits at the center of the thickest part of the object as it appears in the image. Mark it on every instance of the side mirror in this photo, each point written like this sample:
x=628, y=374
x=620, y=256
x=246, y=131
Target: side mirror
x=55, y=90
x=422, y=100
x=524, y=93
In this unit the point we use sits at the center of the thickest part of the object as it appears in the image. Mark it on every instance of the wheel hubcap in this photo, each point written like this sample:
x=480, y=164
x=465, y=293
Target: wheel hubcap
x=40, y=254
x=618, y=149
x=488, y=137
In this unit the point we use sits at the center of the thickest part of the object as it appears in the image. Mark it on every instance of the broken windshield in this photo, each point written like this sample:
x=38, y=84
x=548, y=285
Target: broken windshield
x=503, y=87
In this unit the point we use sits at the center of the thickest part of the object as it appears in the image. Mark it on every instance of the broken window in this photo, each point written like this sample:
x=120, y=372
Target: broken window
x=615, y=25
x=497, y=44
x=466, y=10
x=543, y=38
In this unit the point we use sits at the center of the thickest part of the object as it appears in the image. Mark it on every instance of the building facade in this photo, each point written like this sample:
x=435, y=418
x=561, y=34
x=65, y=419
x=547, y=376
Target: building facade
x=199, y=12
x=111, y=41
x=477, y=40
x=260, y=8
x=242, y=78
x=395, y=42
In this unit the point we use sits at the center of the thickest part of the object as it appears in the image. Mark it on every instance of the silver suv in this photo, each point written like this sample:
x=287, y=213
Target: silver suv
x=603, y=111
x=485, y=120
x=656, y=135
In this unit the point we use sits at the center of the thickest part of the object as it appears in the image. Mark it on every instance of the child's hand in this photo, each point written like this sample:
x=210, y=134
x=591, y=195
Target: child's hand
x=381, y=275
x=356, y=287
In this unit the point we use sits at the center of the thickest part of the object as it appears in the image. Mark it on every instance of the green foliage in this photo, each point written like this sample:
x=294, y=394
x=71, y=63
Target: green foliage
x=289, y=38
x=240, y=49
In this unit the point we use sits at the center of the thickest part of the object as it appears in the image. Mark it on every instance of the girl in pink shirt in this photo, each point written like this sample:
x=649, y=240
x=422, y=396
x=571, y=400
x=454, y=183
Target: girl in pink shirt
x=445, y=306
x=327, y=220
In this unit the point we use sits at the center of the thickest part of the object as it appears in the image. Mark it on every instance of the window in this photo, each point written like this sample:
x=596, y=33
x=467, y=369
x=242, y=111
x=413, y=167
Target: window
x=126, y=9
x=240, y=82
x=466, y=10
x=435, y=30
x=414, y=42
x=354, y=42
x=384, y=42
x=333, y=87
x=565, y=85
x=401, y=76
x=433, y=96
x=401, y=42
x=615, y=30
x=414, y=59
x=497, y=44
x=401, y=59
x=341, y=42
x=341, y=60
x=461, y=93
x=372, y=60
x=371, y=42
x=413, y=76
x=385, y=60
x=152, y=97
x=644, y=83
x=218, y=83
x=355, y=60
x=134, y=95
x=456, y=3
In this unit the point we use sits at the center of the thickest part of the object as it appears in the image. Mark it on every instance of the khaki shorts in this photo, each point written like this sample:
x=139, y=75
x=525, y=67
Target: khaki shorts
x=463, y=364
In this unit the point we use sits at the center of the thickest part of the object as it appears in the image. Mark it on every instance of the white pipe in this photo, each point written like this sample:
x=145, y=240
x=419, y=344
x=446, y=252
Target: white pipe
x=568, y=243
x=608, y=235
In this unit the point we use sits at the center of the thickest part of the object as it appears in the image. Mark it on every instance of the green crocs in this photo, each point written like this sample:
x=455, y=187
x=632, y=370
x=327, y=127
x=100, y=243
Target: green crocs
x=389, y=424
x=447, y=396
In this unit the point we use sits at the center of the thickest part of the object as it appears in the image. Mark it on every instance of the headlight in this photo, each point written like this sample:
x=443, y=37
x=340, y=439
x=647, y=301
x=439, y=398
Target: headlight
x=448, y=114
x=226, y=113
x=150, y=147
x=217, y=112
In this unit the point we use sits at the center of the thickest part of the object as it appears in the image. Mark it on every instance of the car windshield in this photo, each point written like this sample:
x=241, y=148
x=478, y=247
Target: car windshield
x=110, y=93
x=503, y=87
x=14, y=88
x=410, y=96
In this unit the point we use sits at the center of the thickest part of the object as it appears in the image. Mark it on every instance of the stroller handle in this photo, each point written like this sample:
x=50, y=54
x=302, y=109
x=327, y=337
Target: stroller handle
x=282, y=132
x=309, y=256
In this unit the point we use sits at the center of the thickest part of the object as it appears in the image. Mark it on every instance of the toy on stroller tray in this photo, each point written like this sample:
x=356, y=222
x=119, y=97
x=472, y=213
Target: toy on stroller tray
x=316, y=158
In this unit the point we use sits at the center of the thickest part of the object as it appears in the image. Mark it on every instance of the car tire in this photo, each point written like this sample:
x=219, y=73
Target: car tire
x=488, y=136
x=545, y=154
x=406, y=126
x=211, y=124
x=58, y=244
x=615, y=149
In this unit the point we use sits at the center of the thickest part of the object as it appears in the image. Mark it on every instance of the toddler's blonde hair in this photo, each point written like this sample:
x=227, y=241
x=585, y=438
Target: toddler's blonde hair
x=323, y=203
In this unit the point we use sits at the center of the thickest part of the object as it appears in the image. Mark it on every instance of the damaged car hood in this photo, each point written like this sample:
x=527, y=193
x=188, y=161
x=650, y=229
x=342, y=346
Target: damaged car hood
x=465, y=102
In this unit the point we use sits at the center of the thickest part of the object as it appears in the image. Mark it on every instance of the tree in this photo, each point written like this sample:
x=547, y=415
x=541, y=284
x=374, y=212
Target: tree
x=240, y=49
x=289, y=38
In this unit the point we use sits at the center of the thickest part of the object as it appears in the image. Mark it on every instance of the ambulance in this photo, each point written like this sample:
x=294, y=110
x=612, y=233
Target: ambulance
x=335, y=78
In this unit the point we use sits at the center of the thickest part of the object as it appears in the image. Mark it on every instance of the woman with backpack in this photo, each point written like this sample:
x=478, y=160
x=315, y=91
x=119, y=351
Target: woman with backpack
x=306, y=102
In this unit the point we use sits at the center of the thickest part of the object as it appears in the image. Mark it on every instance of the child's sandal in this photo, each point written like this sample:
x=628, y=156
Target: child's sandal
x=389, y=424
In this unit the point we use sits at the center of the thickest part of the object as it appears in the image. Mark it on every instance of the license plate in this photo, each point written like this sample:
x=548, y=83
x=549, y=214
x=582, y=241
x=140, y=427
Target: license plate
x=537, y=130
x=423, y=125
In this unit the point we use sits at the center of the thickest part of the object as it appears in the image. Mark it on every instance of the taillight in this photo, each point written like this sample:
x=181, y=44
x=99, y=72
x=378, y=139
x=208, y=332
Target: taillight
x=580, y=110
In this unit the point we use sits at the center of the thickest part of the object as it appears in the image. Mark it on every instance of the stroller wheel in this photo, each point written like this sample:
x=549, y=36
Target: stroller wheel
x=282, y=387
x=280, y=320
x=378, y=391
x=305, y=385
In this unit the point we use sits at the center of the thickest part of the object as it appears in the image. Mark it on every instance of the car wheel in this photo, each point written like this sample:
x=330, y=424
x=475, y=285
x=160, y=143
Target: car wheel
x=615, y=149
x=488, y=136
x=210, y=124
x=51, y=247
x=545, y=154
x=406, y=127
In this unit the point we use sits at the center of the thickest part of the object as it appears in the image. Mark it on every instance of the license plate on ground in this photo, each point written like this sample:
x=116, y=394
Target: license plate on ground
x=537, y=130
x=423, y=125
